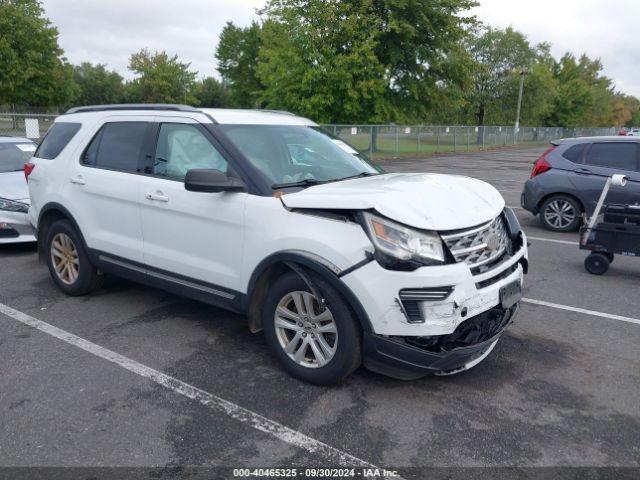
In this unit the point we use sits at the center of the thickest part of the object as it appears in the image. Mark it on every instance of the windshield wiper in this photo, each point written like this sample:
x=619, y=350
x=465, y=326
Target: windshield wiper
x=307, y=182
x=358, y=175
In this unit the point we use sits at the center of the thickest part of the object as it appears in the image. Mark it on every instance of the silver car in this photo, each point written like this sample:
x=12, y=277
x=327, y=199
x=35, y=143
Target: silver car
x=14, y=194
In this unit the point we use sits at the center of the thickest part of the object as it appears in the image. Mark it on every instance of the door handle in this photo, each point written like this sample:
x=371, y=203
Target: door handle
x=583, y=170
x=78, y=180
x=156, y=196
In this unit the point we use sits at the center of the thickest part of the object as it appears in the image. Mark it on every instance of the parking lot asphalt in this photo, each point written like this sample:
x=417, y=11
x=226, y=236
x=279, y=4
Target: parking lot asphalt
x=560, y=389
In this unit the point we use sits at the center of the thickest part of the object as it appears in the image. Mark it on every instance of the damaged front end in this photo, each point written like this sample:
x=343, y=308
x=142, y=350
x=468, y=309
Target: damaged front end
x=413, y=357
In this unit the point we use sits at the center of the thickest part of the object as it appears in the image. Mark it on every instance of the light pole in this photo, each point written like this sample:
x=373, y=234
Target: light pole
x=523, y=71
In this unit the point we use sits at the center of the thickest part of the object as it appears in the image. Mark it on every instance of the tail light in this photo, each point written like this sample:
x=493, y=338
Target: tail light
x=28, y=168
x=541, y=165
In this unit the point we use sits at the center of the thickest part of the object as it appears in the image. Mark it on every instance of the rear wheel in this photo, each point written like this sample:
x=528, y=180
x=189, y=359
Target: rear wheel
x=314, y=341
x=560, y=213
x=68, y=261
x=596, y=263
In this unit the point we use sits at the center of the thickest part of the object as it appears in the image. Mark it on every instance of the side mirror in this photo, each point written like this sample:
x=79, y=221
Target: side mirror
x=209, y=180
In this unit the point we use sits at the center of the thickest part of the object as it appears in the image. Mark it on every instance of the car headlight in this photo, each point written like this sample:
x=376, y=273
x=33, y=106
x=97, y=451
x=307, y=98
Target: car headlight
x=398, y=244
x=13, y=206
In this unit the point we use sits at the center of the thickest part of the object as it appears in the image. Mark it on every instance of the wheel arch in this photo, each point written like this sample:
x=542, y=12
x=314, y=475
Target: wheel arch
x=560, y=194
x=291, y=261
x=49, y=214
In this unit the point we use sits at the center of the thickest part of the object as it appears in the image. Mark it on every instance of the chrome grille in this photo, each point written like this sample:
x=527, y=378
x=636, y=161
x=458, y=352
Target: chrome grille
x=479, y=245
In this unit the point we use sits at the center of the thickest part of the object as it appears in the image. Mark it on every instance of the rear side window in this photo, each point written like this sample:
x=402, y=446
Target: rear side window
x=574, y=154
x=117, y=146
x=618, y=155
x=58, y=136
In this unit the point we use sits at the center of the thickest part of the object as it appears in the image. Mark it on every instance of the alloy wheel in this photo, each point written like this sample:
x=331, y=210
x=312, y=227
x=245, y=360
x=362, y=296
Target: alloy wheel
x=64, y=257
x=306, y=330
x=560, y=214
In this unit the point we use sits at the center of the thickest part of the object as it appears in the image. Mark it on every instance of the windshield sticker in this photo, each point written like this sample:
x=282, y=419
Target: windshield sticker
x=344, y=147
x=26, y=147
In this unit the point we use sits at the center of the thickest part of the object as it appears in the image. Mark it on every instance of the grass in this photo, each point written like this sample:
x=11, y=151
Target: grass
x=389, y=147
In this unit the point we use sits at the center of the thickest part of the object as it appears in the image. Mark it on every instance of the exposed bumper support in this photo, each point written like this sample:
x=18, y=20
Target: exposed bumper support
x=395, y=357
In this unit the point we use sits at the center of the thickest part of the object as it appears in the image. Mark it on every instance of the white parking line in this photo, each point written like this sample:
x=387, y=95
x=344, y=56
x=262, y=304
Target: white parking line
x=581, y=310
x=241, y=414
x=553, y=240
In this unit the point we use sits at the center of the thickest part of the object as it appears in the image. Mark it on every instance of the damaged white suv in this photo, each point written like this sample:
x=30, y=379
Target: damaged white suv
x=265, y=214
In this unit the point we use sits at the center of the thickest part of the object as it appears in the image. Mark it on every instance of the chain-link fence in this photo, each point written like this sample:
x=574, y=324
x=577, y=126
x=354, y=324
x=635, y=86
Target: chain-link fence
x=30, y=125
x=376, y=140
x=407, y=140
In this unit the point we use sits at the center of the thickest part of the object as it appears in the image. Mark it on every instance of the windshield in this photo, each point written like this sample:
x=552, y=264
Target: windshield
x=13, y=156
x=297, y=155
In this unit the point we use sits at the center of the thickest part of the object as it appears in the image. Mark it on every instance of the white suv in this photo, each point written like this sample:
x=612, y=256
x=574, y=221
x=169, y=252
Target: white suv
x=264, y=213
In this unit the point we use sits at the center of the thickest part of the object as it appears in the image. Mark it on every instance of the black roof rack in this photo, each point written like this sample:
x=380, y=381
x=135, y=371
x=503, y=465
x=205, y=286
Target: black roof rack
x=134, y=106
x=269, y=110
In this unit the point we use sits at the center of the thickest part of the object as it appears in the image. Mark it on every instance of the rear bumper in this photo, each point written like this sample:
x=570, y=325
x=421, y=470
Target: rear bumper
x=395, y=357
x=530, y=197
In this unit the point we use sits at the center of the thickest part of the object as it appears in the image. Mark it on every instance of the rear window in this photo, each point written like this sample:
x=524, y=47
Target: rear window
x=117, y=146
x=58, y=136
x=574, y=154
x=13, y=156
x=618, y=155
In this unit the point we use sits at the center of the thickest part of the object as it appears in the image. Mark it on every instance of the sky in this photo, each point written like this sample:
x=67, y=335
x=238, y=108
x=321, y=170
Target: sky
x=108, y=31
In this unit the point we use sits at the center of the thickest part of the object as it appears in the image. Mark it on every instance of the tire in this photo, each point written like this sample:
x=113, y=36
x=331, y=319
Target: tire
x=560, y=213
x=64, y=246
x=610, y=256
x=596, y=263
x=342, y=350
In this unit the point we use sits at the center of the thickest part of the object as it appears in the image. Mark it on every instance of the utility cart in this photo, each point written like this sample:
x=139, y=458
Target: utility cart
x=615, y=232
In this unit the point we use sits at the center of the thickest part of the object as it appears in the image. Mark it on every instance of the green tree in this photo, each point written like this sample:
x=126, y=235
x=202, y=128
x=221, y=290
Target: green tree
x=584, y=96
x=213, y=93
x=359, y=61
x=315, y=65
x=33, y=71
x=97, y=85
x=237, y=56
x=419, y=44
x=160, y=79
x=498, y=58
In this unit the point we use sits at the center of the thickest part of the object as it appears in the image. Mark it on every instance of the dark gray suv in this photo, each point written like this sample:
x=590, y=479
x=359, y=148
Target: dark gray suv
x=567, y=179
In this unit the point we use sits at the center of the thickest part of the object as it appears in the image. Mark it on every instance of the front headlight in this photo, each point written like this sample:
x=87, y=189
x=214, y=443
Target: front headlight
x=13, y=206
x=403, y=244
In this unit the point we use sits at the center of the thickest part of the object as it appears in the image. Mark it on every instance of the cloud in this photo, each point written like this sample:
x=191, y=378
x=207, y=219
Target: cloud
x=110, y=31
x=605, y=30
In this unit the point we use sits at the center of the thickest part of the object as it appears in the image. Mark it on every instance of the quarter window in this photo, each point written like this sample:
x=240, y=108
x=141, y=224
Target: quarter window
x=183, y=147
x=117, y=146
x=574, y=154
x=58, y=136
x=618, y=155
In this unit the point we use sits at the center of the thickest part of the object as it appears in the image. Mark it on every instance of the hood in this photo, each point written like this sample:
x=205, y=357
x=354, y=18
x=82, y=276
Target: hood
x=13, y=186
x=421, y=200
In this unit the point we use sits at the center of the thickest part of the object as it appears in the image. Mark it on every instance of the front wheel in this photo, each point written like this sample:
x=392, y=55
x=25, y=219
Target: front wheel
x=318, y=342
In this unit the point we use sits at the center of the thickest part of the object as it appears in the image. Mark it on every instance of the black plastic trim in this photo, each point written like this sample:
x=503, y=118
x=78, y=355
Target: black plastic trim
x=8, y=233
x=209, y=293
x=256, y=182
x=391, y=357
x=133, y=106
x=369, y=258
x=327, y=274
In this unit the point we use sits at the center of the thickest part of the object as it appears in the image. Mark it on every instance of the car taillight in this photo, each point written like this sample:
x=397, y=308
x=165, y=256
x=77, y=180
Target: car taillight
x=541, y=165
x=28, y=168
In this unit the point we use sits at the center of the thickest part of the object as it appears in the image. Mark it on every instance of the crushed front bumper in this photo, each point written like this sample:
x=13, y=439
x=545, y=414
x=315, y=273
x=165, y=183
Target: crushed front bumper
x=408, y=358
